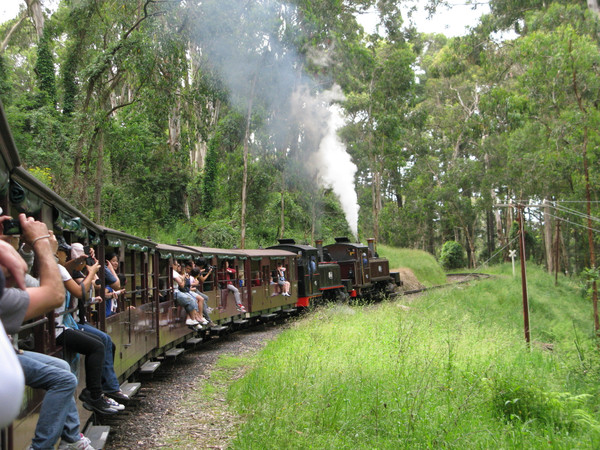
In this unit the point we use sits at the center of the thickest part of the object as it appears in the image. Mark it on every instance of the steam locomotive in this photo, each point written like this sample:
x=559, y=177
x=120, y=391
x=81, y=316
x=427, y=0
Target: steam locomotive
x=148, y=324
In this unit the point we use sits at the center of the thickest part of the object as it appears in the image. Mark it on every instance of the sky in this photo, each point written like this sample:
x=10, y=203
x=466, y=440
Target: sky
x=451, y=22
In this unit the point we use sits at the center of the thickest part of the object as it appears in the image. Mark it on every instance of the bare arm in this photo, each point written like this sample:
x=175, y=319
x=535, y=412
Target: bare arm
x=75, y=288
x=51, y=292
x=13, y=263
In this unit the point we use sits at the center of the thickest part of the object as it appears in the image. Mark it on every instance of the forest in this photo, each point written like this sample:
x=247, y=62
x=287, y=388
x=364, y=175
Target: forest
x=233, y=123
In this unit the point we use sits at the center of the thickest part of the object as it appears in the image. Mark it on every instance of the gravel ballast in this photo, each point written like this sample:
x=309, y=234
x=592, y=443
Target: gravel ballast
x=170, y=411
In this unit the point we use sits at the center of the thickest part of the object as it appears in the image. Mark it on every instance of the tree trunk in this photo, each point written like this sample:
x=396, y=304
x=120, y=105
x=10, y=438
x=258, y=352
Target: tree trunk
x=376, y=191
x=12, y=30
x=588, y=202
x=282, y=212
x=175, y=125
x=35, y=11
x=593, y=6
x=99, y=178
x=548, y=237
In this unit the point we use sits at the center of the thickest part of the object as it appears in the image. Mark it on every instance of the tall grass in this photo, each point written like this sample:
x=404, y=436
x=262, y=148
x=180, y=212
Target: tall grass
x=423, y=264
x=449, y=369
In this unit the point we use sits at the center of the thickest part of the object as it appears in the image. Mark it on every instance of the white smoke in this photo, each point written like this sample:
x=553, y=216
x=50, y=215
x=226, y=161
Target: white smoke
x=321, y=118
x=224, y=40
x=337, y=169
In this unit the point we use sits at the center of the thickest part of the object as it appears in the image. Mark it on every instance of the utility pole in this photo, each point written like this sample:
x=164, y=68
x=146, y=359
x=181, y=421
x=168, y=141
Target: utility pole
x=523, y=274
x=556, y=255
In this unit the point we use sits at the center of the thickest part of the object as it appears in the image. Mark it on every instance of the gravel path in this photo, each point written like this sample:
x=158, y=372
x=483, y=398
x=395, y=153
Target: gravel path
x=171, y=413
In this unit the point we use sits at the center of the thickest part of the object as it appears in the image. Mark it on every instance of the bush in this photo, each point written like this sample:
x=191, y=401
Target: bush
x=453, y=256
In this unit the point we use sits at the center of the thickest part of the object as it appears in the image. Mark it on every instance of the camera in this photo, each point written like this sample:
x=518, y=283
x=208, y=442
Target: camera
x=212, y=267
x=12, y=226
x=89, y=260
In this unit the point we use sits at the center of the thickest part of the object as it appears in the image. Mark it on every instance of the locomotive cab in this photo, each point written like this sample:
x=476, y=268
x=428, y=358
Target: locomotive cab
x=353, y=259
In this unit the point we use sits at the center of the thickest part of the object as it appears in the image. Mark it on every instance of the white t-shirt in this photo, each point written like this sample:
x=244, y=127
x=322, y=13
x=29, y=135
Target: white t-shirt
x=176, y=276
x=66, y=276
x=13, y=381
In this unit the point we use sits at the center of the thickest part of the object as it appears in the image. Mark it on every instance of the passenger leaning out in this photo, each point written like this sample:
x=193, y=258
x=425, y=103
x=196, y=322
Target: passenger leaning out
x=226, y=274
x=284, y=285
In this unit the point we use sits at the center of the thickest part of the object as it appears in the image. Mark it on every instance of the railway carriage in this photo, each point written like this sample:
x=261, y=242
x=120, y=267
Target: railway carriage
x=317, y=280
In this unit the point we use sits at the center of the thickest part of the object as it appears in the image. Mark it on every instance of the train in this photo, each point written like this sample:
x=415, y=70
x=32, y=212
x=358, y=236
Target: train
x=149, y=325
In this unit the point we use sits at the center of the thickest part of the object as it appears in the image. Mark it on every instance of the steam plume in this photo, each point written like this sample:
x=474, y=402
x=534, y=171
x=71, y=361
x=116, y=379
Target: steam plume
x=234, y=38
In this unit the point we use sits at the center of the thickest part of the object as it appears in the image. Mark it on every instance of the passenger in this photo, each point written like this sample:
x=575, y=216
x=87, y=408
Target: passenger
x=198, y=276
x=58, y=416
x=112, y=296
x=110, y=271
x=225, y=275
x=184, y=299
x=72, y=339
x=312, y=266
x=273, y=283
x=284, y=285
x=84, y=292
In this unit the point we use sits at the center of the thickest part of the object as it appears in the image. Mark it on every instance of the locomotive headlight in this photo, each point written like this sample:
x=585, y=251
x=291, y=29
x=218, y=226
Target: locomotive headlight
x=330, y=275
x=380, y=268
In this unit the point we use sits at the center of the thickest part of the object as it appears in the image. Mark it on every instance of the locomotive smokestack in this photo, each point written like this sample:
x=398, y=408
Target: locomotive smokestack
x=319, y=245
x=371, y=244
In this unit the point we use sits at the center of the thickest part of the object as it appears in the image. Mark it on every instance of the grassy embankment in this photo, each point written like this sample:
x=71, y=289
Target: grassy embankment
x=423, y=264
x=450, y=371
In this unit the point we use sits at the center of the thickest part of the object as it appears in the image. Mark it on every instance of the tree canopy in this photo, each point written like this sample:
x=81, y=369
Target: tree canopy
x=215, y=122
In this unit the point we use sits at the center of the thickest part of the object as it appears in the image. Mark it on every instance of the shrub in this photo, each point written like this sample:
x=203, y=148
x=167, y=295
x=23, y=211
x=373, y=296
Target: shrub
x=453, y=256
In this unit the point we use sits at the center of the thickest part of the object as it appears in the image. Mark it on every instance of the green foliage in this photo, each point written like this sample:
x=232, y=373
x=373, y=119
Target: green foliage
x=4, y=81
x=43, y=174
x=210, y=175
x=452, y=255
x=44, y=69
x=523, y=401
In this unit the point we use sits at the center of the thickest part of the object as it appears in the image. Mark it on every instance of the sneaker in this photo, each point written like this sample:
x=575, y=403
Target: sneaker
x=99, y=405
x=204, y=322
x=209, y=309
x=114, y=404
x=212, y=324
x=241, y=308
x=82, y=444
x=191, y=322
x=118, y=396
x=198, y=327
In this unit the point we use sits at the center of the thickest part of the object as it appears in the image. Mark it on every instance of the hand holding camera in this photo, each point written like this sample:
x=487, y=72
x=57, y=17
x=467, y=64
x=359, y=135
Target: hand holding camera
x=90, y=260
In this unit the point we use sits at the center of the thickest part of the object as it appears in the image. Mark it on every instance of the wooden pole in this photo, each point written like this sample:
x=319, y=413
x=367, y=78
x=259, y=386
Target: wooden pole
x=556, y=253
x=523, y=274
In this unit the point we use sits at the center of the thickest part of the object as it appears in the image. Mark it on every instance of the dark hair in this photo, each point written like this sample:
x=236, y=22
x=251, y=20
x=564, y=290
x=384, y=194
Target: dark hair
x=111, y=255
x=122, y=279
x=189, y=263
x=195, y=272
x=201, y=262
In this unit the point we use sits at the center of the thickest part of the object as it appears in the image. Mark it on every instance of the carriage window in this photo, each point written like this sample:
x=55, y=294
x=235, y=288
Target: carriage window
x=257, y=279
